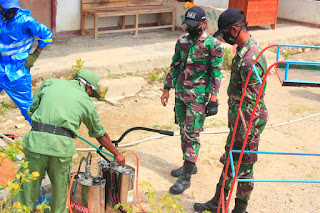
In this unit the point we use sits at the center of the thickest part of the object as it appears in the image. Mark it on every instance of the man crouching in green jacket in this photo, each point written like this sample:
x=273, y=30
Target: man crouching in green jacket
x=59, y=107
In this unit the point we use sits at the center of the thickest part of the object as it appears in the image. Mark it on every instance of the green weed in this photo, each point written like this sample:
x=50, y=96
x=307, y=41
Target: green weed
x=165, y=203
x=293, y=164
x=153, y=77
x=5, y=107
x=165, y=127
x=286, y=55
x=301, y=109
x=215, y=124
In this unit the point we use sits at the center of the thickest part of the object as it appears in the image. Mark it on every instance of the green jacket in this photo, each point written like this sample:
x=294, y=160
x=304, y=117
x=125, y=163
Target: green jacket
x=65, y=104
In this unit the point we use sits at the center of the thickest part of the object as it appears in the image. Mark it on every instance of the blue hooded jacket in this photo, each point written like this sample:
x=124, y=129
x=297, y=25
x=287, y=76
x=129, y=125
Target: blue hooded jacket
x=16, y=38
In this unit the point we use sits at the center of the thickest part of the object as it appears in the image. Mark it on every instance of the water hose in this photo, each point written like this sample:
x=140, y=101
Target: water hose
x=69, y=191
x=206, y=132
x=137, y=184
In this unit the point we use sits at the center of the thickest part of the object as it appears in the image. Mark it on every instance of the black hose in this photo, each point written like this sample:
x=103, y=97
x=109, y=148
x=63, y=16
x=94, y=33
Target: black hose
x=163, y=132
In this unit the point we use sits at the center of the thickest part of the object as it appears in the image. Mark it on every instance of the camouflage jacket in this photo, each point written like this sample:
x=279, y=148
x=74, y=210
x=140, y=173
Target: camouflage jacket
x=196, y=68
x=241, y=65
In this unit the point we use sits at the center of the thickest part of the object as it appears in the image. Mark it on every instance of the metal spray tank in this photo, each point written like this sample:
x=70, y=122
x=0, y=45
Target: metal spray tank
x=87, y=192
x=114, y=184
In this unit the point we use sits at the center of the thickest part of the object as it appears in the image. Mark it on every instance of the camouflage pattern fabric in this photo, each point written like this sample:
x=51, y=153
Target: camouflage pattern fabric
x=244, y=189
x=195, y=72
x=190, y=117
x=196, y=68
x=241, y=65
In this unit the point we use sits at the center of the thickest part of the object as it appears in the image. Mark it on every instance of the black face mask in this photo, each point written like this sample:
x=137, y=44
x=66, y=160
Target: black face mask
x=229, y=38
x=194, y=32
x=8, y=14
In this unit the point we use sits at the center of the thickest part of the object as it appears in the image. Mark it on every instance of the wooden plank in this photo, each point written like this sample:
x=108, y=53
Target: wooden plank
x=172, y=21
x=95, y=27
x=99, y=1
x=261, y=21
x=83, y=24
x=155, y=27
x=128, y=11
x=266, y=13
x=136, y=24
x=123, y=22
x=132, y=29
x=101, y=5
x=159, y=19
x=262, y=5
x=240, y=4
x=135, y=3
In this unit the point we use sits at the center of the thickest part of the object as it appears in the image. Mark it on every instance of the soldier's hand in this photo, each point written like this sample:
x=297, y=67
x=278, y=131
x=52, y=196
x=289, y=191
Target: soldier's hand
x=120, y=159
x=211, y=108
x=32, y=58
x=165, y=96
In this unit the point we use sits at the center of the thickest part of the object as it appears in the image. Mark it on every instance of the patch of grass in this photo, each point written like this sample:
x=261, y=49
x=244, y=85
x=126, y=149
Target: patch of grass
x=165, y=127
x=114, y=76
x=153, y=77
x=215, y=124
x=207, y=162
x=102, y=94
x=301, y=109
x=293, y=164
x=286, y=55
x=157, y=75
x=310, y=176
x=5, y=107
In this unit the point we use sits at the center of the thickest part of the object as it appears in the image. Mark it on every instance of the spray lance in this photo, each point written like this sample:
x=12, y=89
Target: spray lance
x=113, y=185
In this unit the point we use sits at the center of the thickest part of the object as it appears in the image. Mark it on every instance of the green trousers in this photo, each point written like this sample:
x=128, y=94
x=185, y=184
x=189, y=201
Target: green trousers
x=58, y=169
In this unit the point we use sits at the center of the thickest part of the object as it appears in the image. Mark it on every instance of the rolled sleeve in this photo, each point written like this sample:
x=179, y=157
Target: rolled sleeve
x=93, y=124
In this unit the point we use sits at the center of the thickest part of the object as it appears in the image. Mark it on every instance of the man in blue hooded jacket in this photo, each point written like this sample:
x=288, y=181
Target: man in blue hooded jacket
x=17, y=33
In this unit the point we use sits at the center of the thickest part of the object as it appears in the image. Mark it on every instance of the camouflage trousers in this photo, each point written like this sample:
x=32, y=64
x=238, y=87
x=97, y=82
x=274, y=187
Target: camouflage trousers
x=190, y=117
x=244, y=189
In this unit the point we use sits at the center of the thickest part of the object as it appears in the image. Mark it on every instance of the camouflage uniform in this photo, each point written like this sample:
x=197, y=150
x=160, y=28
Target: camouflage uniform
x=195, y=72
x=241, y=64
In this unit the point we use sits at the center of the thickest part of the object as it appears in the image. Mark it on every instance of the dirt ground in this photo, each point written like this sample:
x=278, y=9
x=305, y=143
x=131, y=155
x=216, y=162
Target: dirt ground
x=158, y=157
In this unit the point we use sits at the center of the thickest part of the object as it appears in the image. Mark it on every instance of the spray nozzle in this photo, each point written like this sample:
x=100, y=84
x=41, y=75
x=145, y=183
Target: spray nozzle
x=87, y=171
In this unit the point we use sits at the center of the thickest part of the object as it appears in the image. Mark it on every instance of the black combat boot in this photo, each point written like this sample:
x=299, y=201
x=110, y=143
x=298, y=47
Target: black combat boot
x=184, y=179
x=240, y=207
x=212, y=205
x=177, y=172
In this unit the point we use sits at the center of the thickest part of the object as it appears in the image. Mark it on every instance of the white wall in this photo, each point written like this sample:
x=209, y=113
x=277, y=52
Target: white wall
x=214, y=3
x=300, y=10
x=68, y=17
x=212, y=14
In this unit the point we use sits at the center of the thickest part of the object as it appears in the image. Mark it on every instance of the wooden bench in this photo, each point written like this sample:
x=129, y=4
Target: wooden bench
x=123, y=8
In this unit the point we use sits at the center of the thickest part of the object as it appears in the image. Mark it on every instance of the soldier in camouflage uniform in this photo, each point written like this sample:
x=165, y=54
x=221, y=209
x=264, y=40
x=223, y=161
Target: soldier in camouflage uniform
x=233, y=27
x=195, y=73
